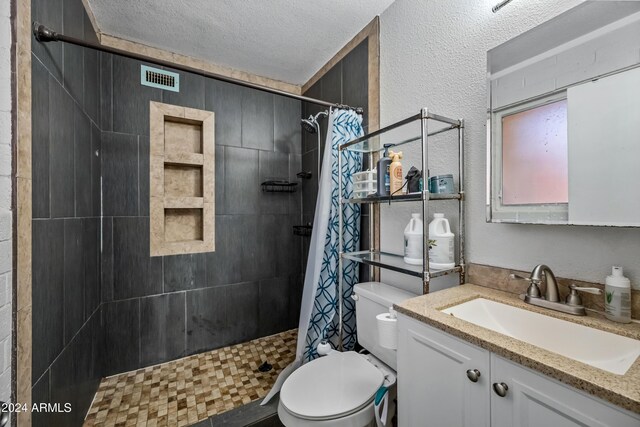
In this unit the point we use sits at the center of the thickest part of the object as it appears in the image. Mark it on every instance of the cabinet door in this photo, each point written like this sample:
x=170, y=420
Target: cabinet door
x=433, y=386
x=534, y=400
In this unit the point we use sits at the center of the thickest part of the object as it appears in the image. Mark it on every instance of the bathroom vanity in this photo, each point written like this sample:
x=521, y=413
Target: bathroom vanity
x=463, y=374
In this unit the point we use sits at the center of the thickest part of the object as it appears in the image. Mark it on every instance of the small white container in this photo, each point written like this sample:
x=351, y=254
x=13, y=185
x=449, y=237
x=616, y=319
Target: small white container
x=413, y=240
x=617, y=296
x=368, y=175
x=441, y=255
x=364, y=188
x=360, y=194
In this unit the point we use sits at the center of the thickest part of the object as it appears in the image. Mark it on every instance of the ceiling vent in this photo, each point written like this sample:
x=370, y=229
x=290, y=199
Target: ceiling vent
x=161, y=79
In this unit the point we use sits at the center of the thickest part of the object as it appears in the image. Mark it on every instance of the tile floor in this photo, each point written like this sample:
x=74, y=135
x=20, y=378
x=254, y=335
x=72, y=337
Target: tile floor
x=189, y=390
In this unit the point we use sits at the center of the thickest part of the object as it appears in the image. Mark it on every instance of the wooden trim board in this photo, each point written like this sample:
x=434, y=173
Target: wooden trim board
x=373, y=112
x=22, y=212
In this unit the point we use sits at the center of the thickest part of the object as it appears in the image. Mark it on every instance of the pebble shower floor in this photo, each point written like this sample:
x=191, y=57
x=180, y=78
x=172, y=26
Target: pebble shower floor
x=185, y=391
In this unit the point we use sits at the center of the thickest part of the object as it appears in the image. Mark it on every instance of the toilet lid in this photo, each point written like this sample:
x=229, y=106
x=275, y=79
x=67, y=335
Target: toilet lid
x=331, y=386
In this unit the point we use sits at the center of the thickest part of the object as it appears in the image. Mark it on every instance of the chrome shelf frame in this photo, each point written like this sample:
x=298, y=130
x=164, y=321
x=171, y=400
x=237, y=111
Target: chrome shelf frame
x=395, y=262
x=413, y=197
x=377, y=259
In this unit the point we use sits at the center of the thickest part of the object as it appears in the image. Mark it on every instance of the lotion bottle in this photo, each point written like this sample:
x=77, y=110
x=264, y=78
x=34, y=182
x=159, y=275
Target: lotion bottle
x=617, y=296
x=395, y=173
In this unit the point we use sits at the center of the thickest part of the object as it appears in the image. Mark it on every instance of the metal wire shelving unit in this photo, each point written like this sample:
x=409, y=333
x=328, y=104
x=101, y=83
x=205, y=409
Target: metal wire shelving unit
x=372, y=145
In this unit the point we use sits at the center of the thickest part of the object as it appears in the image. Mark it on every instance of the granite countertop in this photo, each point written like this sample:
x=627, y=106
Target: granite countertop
x=621, y=390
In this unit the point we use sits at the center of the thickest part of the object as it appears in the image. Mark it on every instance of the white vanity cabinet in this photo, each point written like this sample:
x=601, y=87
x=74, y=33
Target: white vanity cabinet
x=537, y=400
x=433, y=384
x=436, y=388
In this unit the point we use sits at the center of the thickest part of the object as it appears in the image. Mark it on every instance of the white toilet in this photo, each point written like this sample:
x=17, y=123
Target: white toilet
x=339, y=390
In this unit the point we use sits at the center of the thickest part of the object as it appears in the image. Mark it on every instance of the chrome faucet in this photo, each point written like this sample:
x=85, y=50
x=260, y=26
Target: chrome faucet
x=551, y=300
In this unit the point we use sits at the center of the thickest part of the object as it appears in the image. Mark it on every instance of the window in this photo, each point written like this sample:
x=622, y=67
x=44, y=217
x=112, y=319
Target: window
x=534, y=155
x=530, y=148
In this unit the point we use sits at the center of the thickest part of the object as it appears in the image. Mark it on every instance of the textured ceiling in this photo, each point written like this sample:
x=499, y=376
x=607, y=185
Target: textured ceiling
x=286, y=40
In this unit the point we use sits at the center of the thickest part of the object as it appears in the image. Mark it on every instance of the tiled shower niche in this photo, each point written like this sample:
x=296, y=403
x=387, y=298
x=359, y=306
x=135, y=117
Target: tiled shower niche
x=182, y=180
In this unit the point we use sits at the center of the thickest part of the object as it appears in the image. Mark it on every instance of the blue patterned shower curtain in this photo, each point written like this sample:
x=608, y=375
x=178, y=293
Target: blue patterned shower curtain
x=324, y=320
x=319, y=312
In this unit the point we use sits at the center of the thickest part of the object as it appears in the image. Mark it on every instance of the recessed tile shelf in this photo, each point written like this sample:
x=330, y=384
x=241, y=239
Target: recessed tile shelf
x=182, y=180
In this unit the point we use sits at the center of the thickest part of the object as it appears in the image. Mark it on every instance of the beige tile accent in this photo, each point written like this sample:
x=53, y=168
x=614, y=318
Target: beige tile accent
x=183, y=225
x=23, y=253
x=184, y=158
x=156, y=210
x=23, y=368
x=186, y=391
x=182, y=180
x=621, y=390
x=209, y=228
x=198, y=115
x=183, y=202
x=498, y=278
x=156, y=115
x=156, y=170
x=23, y=212
x=23, y=90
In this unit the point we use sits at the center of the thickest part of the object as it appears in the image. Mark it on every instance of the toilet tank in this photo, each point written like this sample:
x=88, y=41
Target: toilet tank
x=374, y=298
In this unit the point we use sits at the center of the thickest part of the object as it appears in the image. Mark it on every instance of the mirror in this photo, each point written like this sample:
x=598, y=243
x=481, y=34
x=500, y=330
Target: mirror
x=564, y=120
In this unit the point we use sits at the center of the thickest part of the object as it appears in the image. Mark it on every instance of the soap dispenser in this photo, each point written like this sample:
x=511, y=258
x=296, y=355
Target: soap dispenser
x=617, y=296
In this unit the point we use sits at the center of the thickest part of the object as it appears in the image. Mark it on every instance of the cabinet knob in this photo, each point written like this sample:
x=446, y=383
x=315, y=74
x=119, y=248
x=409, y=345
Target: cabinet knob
x=500, y=389
x=473, y=375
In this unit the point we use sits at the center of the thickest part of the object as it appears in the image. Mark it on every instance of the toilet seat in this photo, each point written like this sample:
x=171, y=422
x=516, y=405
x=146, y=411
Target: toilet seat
x=331, y=387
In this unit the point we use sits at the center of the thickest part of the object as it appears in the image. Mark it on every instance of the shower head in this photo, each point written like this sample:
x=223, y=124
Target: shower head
x=311, y=124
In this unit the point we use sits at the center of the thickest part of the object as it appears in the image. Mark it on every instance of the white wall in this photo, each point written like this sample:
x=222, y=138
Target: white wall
x=434, y=54
x=5, y=201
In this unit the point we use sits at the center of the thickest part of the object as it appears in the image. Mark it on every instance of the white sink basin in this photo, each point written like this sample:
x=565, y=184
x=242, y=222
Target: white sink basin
x=604, y=350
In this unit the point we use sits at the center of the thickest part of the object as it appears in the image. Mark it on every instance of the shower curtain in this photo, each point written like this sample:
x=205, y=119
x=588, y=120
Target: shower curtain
x=319, y=311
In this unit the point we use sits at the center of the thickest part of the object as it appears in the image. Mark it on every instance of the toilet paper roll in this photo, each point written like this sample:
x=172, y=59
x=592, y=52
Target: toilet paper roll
x=387, y=331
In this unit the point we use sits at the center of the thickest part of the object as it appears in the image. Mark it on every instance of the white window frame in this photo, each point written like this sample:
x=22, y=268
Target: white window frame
x=545, y=213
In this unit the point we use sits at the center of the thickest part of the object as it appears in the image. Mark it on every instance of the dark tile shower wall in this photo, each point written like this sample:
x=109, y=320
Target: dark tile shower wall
x=346, y=83
x=101, y=304
x=66, y=299
x=162, y=308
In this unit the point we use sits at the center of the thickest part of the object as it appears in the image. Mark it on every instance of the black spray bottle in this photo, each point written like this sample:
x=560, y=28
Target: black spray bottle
x=384, y=179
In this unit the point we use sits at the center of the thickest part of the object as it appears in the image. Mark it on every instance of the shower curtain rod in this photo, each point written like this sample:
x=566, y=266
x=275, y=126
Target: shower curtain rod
x=44, y=34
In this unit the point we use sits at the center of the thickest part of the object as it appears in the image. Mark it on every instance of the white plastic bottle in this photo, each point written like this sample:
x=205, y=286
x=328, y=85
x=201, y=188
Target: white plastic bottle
x=617, y=296
x=413, y=240
x=441, y=242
